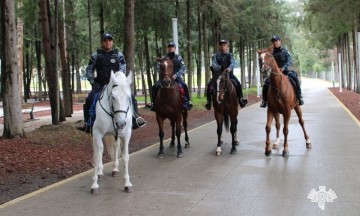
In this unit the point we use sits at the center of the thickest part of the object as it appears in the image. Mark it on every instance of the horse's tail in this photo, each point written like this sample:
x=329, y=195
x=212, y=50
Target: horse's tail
x=226, y=121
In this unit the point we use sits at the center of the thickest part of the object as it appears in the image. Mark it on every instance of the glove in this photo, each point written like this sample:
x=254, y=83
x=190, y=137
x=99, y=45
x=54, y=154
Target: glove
x=96, y=86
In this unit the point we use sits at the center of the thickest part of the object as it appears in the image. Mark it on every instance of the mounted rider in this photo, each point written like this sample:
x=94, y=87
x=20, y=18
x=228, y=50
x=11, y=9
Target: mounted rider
x=284, y=61
x=179, y=70
x=104, y=61
x=223, y=60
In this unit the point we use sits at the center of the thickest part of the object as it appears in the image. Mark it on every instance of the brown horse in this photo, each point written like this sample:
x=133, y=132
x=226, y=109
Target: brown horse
x=281, y=100
x=169, y=105
x=225, y=104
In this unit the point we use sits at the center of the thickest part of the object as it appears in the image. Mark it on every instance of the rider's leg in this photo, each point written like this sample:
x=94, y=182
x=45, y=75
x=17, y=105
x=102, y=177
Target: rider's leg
x=155, y=89
x=86, y=112
x=294, y=77
x=186, y=90
x=264, y=92
x=137, y=120
x=208, y=95
x=242, y=100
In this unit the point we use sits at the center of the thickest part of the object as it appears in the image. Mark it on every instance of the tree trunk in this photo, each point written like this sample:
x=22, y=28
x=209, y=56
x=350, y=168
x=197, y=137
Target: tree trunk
x=90, y=29
x=199, y=61
x=189, y=47
x=13, y=123
x=65, y=75
x=147, y=59
x=101, y=17
x=49, y=44
x=129, y=44
x=20, y=45
x=206, y=51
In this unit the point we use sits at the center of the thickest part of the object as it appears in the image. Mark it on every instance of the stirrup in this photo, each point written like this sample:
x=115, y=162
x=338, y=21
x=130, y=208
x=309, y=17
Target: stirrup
x=208, y=105
x=301, y=101
x=243, y=102
x=138, y=123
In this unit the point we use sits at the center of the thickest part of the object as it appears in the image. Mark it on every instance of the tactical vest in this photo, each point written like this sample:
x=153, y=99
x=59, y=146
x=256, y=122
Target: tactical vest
x=280, y=57
x=105, y=63
x=224, y=60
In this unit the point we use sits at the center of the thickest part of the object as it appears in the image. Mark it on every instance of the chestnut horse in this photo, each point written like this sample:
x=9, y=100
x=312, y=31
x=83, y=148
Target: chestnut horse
x=281, y=100
x=169, y=105
x=225, y=104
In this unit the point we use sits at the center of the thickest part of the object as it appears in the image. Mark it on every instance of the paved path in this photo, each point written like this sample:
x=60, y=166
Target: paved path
x=247, y=183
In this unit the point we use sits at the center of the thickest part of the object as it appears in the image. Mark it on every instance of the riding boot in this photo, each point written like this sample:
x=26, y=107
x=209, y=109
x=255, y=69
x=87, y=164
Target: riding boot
x=86, y=128
x=155, y=89
x=188, y=102
x=264, y=96
x=298, y=90
x=242, y=100
x=138, y=121
x=208, y=97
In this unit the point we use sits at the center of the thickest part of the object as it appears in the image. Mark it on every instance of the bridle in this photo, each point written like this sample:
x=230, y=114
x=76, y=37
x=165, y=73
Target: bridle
x=226, y=81
x=165, y=74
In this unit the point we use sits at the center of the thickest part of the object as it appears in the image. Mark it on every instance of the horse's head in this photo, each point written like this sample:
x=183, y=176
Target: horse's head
x=266, y=61
x=120, y=99
x=222, y=85
x=166, y=72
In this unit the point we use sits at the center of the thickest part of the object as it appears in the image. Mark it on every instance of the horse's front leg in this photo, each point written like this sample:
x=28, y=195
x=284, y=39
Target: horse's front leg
x=277, y=126
x=160, y=122
x=115, y=171
x=233, y=130
x=98, y=149
x=125, y=157
x=185, y=115
x=301, y=121
x=268, y=130
x=219, y=121
x=178, y=134
x=286, y=132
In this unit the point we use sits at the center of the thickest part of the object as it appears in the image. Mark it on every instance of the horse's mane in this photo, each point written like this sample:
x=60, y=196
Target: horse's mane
x=121, y=80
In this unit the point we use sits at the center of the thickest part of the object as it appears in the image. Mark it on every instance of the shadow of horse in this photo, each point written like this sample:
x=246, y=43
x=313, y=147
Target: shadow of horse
x=225, y=105
x=281, y=100
x=169, y=105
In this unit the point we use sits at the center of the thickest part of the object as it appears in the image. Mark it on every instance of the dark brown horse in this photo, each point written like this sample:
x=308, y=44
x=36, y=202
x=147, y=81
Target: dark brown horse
x=281, y=100
x=225, y=104
x=169, y=105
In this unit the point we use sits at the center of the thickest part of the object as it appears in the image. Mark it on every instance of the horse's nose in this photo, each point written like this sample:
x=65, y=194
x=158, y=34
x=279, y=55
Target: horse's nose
x=120, y=125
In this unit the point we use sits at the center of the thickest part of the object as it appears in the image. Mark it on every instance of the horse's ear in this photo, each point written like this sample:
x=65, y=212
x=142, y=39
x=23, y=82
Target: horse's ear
x=259, y=51
x=130, y=77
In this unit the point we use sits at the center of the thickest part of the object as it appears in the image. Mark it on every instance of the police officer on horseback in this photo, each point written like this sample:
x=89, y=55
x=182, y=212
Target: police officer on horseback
x=179, y=70
x=223, y=60
x=284, y=61
x=104, y=61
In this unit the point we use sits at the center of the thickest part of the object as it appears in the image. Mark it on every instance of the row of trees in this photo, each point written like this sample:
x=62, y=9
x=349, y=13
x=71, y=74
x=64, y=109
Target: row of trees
x=55, y=38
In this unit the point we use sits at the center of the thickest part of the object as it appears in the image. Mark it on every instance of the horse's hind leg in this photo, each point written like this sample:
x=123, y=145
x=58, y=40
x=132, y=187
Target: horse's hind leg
x=301, y=121
x=98, y=149
x=233, y=131
x=219, y=132
x=187, y=143
x=178, y=134
x=286, y=132
x=277, y=126
x=172, y=143
x=125, y=157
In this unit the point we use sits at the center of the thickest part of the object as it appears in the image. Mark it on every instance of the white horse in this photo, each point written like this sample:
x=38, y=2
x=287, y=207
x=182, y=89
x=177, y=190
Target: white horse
x=113, y=125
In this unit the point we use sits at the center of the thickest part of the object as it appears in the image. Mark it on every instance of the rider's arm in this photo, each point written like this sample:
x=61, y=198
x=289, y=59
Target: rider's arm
x=122, y=62
x=91, y=68
x=288, y=60
x=232, y=62
x=182, y=69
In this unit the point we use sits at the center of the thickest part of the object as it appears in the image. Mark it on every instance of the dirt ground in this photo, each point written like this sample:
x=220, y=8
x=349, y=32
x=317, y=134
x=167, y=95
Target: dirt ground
x=55, y=152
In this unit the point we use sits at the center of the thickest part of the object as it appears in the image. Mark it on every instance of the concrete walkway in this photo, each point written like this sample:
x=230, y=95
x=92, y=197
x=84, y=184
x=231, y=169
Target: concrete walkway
x=247, y=183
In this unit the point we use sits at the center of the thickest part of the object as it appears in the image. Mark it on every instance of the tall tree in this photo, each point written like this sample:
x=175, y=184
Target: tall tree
x=129, y=43
x=189, y=46
x=13, y=123
x=49, y=44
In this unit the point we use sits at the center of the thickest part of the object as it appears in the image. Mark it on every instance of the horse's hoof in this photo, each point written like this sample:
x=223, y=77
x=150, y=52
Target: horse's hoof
x=275, y=146
x=187, y=145
x=172, y=145
x=267, y=153
x=100, y=177
x=160, y=156
x=114, y=173
x=218, y=153
x=128, y=189
x=308, y=145
x=233, y=151
x=285, y=154
x=180, y=155
x=237, y=143
x=95, y=191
